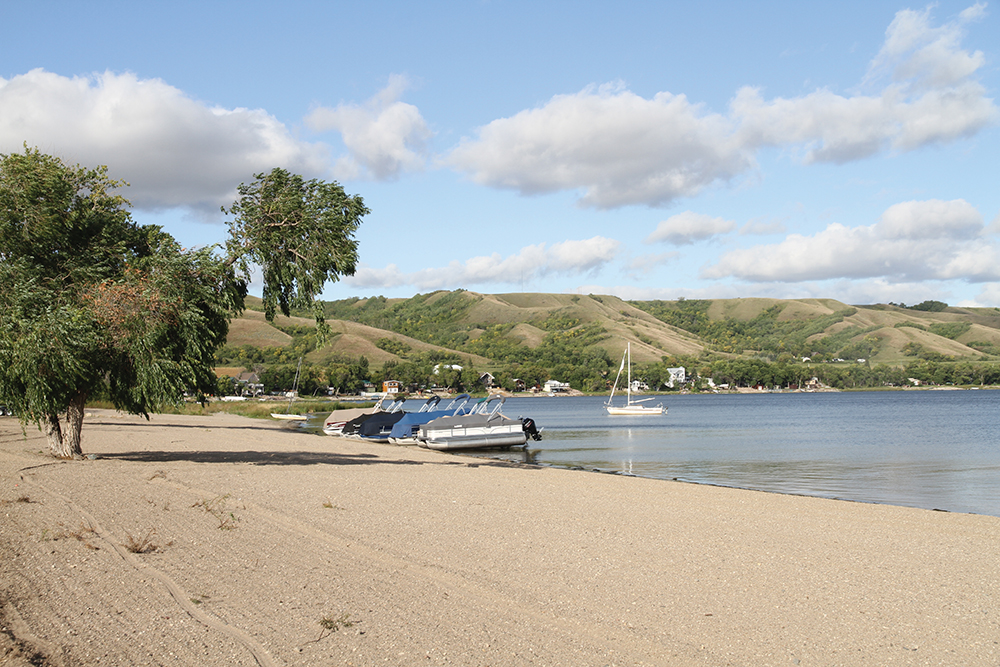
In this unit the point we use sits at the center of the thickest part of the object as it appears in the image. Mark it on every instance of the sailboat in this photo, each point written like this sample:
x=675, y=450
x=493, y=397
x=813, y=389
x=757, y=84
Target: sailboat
x=632, y=406
x=295, y=390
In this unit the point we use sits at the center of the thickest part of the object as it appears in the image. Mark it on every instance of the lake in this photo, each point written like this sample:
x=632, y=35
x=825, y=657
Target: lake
x=928, y=449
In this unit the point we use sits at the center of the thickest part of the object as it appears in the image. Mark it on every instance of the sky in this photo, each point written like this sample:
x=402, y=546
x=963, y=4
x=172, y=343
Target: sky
x=650, y=150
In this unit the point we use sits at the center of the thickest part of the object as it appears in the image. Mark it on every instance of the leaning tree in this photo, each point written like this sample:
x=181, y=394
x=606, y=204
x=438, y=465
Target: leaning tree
x=92, y=303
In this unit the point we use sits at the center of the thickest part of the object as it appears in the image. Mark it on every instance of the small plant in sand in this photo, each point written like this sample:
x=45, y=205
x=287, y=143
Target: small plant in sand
x=83, y=533
x=141, y=543
x=331, y=624
x=217, y=508
x=330, y=506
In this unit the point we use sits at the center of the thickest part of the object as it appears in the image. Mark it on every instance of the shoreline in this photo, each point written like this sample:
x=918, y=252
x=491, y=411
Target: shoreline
x=275, y=547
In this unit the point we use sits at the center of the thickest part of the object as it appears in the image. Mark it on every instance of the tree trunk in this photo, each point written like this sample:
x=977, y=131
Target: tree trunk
x=74, y=424
x=65, y=444
x=54, y=434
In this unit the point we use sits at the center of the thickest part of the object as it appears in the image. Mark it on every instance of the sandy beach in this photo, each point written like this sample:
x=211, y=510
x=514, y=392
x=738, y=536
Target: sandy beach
x=229, y=541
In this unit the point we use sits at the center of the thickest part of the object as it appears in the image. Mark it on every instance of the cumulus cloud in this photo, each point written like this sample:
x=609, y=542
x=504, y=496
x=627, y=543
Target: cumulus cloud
x=932, y=219
x=923, y=56
x=994, y=227
x=384, y=136
x=534, y=261
x=620, y=149
x=912, y=241
x=930, y=98
x=617, y=147
x=175, y=151
x=689, y=227
x=989, y=296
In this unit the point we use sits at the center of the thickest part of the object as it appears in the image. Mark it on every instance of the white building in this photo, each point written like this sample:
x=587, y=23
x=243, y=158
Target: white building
x=555, y=386
x=677, y=376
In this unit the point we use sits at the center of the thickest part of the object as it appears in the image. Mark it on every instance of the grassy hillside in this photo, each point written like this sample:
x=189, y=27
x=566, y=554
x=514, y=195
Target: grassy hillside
x=580, y=339
x=478, y=326
x=828, y=329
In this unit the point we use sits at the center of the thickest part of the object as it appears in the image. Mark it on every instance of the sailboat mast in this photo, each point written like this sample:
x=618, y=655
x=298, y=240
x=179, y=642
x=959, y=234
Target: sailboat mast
x=629, y=353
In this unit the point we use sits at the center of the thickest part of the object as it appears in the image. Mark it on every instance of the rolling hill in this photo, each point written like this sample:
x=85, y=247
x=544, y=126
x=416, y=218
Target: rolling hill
x=453, y=322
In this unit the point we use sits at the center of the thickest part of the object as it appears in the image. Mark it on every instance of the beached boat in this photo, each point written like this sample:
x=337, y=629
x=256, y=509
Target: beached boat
x=407, y=429
x=485, y=427
x=632, y=406
x=379, y=426
x=352, y=427
x=335, y=421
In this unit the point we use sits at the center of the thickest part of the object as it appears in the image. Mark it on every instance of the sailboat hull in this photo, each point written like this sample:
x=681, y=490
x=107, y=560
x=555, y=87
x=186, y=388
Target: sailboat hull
x=636, y=410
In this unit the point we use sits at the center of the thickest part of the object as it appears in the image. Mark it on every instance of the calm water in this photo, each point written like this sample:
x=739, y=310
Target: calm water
x=929, y=449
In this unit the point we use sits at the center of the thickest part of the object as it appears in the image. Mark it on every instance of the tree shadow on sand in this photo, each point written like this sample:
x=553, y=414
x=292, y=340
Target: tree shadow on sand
x=282, y=458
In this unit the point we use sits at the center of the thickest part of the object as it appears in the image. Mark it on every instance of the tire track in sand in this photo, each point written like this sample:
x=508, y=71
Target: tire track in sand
x=180, y=596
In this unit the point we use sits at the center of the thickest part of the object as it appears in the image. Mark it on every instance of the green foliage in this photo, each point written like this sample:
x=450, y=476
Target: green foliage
x=92, y=304
x=493, y=343
x=929, y=306
x=556, y=322
x=985, y=347
x=396, y=347
x=921, y=352
x=300, y=233
x=435, y=318
x=950, y=329
x=763, y=333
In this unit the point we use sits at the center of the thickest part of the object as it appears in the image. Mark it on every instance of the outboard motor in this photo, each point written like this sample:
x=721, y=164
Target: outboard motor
x=528, y=426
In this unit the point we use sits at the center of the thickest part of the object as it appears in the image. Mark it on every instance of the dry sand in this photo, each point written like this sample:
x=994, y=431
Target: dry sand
x=259, y=536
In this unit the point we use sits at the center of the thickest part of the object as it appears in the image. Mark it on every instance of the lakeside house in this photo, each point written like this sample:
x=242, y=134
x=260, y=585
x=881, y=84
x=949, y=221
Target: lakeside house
x=677, y=376
x=639, y=385
x=555, y=387
x=249, y=384
x=391, y=386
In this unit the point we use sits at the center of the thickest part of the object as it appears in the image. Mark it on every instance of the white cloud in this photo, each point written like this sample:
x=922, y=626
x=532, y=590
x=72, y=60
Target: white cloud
x=689, y=227
x=620, y=149
x=917, y=240
x=581, y=256
x=931, y=219
x=930, y=99
x=922, y=56
x=994, y=227
x=172, y=149
x=384, y=136
x=617, y=147
x=833, y=128
x=989, y=297
x=565, y=258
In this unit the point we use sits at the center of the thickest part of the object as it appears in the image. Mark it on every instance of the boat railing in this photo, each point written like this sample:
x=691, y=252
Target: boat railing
x=430, y=404
x=454, y=407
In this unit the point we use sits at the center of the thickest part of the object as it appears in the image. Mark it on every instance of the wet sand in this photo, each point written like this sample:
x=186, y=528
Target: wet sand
x=229, y=541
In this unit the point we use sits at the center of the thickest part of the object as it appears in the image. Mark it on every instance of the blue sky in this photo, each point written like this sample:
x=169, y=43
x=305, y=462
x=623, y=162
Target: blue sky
x=841, y=150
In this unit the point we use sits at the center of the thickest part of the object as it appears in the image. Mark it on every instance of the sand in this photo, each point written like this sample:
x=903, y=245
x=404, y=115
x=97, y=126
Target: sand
x=252, y=544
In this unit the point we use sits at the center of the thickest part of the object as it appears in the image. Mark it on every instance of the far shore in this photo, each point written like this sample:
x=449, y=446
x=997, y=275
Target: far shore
x=222, y=540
